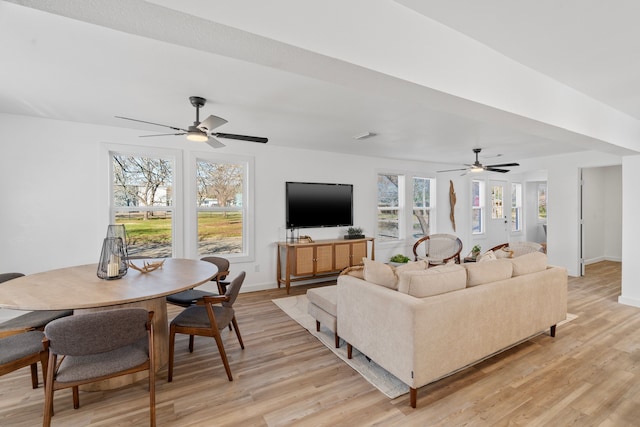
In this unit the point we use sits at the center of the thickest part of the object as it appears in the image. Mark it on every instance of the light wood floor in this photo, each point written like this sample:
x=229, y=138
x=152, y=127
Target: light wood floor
x=589, y=375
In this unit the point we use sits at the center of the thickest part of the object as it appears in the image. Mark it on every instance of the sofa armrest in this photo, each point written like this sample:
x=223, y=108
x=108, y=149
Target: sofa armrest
x=378, y=322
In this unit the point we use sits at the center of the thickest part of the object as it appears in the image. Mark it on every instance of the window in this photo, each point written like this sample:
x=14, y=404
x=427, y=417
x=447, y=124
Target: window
x=421, y=206
x=542, y=202
x=390, y=209
x=497, y=202
x=142, y=189
x=477, y=207
x=221, y=188
x=516, y=207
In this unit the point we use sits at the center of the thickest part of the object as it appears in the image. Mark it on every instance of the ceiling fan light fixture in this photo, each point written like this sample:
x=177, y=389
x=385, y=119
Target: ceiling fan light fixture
x=476, y=169
x=196, y=135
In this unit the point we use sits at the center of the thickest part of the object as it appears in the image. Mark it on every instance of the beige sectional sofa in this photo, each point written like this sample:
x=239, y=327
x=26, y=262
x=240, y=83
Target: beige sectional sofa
x=424, y=324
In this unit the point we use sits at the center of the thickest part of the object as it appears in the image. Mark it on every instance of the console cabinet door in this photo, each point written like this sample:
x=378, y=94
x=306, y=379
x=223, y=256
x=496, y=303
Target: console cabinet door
x=358, y=251
x=324, y=258
x=342, y=254
x=304, y=260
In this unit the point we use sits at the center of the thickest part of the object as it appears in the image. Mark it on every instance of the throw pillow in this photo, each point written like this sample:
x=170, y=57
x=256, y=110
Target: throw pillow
x=529, y=263
x=479, y=273
x=434, y=281
x=487, y=256
x=379, y=273
x=355, y=271
x=504, y=253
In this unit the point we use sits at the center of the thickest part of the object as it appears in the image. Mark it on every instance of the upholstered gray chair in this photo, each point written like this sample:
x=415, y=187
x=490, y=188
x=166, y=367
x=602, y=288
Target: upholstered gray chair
x=208, y=319
x=21, y=350
x=30, y=320
x=91, y=347
x=438, y=249
x=192, y=296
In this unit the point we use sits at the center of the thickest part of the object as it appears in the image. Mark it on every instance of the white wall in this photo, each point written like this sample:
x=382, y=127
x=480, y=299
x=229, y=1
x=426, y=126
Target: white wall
x=631, y=231
x=54, y=211
x=53, y=215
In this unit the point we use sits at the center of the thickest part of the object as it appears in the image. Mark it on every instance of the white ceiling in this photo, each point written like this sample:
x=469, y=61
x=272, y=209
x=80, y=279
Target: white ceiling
x=90, y=61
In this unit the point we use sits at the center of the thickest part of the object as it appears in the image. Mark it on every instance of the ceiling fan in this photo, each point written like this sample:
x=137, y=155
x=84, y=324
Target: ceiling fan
x=479, y=167
x=201, y=131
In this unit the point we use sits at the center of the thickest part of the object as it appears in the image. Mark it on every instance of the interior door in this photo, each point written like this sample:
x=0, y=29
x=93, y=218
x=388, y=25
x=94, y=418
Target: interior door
x=498, y=215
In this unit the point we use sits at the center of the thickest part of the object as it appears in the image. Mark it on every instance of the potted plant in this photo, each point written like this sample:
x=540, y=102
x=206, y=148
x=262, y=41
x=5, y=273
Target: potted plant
x=475, y=251
x=398, y=259
x=354, y=233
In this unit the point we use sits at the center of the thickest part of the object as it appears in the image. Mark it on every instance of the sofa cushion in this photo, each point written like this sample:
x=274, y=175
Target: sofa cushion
x=411, y=266
x=434, y=281
x=379, y=273
x=480, y=273
x=529, y=263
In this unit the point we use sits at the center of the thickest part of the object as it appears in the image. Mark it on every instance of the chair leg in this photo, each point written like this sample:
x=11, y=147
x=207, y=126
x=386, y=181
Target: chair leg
x=152, y=396
x=172, y=343
x=235, y=326
x=76, y=397
x=48, y=392
x=190, y=343
x=223, y=355
x=34, y=375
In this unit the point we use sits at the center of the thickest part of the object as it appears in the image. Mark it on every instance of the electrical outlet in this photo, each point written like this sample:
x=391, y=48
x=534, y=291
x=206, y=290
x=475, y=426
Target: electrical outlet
x=257, y=268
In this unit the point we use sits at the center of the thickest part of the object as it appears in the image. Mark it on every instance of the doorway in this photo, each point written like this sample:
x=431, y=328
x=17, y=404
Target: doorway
x=498, y=222
x=601, y=215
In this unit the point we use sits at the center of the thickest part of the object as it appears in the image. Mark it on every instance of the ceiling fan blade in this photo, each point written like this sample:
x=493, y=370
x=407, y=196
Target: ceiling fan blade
x=490, y=169
x=150, y=123
x=163, y=134
x=503, y=165
x=210, y=123
x=241, y=137
x=453, y=170
x=214, y=143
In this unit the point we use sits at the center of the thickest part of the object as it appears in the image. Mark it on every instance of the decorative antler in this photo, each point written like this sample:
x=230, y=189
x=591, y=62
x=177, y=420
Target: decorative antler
x=148, y=266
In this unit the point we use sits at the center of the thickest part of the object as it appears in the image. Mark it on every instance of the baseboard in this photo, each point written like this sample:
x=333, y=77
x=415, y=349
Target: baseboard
x=634, y=302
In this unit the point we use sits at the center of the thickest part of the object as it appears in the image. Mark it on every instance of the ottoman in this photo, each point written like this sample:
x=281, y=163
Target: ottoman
x=322, y=307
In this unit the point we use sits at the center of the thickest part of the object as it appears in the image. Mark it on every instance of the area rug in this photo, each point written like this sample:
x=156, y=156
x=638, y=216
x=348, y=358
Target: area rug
x=296, y=308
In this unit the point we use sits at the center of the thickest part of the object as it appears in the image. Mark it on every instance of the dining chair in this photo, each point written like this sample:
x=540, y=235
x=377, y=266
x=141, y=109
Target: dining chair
x=23, y=349
x=86, y=348
x=438, y=248
x=192, y=296
x=31, y=320
x=208, y=319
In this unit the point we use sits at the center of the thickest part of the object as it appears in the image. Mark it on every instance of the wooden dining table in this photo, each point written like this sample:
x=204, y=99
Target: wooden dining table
x=80, y=289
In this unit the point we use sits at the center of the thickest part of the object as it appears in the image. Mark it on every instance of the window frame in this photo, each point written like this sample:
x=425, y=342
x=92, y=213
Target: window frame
x=431, y=209
x=481, y=206
x=517, y=226
x=540, y=186
x=248, y=241
x=175, y=156
x=401, y=208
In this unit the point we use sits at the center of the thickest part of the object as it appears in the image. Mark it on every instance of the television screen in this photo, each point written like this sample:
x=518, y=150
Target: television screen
x=311, y=204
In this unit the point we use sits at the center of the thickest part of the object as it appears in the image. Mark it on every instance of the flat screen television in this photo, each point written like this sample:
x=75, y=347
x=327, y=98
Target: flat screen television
x=312, y=204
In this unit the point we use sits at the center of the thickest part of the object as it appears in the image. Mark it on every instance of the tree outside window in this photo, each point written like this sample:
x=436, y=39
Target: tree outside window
x=390, y=188
x=142, y=200
x=221, y=206
x=542, y=202
x=422, y=206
